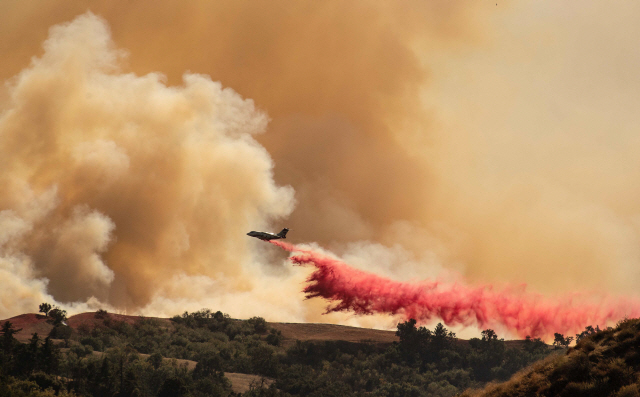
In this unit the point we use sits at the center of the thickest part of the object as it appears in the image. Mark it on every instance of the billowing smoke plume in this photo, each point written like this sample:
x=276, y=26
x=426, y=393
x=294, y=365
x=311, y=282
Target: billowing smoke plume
x=138, y=189
x=510, y=309
x=114, y=184
x=431, y=135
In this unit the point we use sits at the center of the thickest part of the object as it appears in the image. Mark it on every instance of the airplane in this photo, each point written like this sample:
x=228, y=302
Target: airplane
x=269, y=236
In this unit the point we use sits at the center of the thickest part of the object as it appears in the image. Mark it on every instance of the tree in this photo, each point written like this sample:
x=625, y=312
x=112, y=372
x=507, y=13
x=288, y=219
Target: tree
x=50, y=355
x=34, y=347
x=8, y=341
x=489, y=335
x=209, y=364
x=274, y=338
x=487, y=356
x=173, y=387
x=441, y=338
x=101, y=314
x=534, y=345
x=409, y=334
x=560, y=340
x=567, y=341
x=58, y=315
x=45, y=308
x=34, y=343
x=414, y=342
x=588, y=330
x=259, y=325
x=156, y=360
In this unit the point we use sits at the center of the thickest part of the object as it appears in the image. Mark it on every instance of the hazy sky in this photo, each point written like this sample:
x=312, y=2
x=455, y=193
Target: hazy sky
x=491, y=142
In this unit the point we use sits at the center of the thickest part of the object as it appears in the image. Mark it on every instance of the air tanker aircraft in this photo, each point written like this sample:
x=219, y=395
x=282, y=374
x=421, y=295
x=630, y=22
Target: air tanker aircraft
x=269, y=236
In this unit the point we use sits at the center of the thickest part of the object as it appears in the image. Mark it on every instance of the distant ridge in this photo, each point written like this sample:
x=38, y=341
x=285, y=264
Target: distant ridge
x=291, y=332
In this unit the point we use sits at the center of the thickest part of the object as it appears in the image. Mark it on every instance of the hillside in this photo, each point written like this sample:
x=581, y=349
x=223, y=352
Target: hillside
x=28, y=324
x=291, y=332
x=606, y=363
x=31, y=323
x=206, y=353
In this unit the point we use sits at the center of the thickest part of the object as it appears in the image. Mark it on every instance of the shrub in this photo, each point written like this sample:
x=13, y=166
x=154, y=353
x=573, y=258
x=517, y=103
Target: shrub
x=259, y=325
x=58, y=316
x=95, y=343
x=155, y=360
x=45, y=308
x=274, y=338
x=61, y=332
x=586, y=345
x=82, y=350
x=629, y=391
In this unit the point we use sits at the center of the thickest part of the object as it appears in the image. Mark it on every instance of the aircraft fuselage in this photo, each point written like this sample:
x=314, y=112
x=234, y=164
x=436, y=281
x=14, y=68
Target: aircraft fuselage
x=269, y=236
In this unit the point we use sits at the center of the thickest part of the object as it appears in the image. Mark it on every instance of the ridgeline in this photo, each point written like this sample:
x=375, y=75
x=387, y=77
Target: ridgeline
x=604, y=363
x=207, y=353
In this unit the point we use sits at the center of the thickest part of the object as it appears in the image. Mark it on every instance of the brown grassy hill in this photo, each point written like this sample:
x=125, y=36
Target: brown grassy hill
x=290, y=332
x=240, y=383
x=331, y=332
x=31, y=322
x=328, y=332
x=606, y=363
x=93, y=319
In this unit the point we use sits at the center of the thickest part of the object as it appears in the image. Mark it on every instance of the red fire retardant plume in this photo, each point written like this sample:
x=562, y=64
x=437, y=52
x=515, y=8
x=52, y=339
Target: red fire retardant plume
x=525, y=313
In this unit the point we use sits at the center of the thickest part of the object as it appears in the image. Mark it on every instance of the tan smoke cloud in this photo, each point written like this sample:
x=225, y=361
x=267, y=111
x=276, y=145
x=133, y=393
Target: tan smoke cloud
x=150, y=186
x=537, y=166
x=495, y=140
x=330, y=75
x=115, y=183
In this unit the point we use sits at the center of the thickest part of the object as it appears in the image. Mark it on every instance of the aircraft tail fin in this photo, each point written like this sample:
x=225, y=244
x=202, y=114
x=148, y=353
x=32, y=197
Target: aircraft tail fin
x=283, y=233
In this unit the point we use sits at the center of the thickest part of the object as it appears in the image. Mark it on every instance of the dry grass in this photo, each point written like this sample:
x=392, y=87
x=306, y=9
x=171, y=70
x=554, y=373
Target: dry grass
x=29, y=324
x=330, y=332
x=241, y=383
x=604, y=364
x=91, y=321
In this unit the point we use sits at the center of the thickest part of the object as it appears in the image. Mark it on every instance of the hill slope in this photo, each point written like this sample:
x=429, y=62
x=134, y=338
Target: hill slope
x=606, y=363
x=30, y=323
x=208, y=353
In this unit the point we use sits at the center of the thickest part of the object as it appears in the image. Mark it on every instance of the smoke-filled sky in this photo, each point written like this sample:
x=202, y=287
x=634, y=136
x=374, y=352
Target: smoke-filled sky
x=140, y=141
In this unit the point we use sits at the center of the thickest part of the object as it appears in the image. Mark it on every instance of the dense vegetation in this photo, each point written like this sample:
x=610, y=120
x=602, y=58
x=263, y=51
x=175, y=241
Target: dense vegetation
x=115, y=358
x=603, y=363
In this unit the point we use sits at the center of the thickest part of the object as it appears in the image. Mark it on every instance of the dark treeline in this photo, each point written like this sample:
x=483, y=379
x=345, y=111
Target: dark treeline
x=115, y=358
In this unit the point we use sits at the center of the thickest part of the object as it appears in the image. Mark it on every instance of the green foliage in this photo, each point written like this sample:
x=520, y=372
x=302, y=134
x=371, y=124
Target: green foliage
x=274, y=338
x=7, y=339
x=45, y=308
x=173, y=387
x=259, y=325
x=629, y=391
x=82, y=350
x=603, y=363
x=589, y=330
x=155, y=360
x=61, y=331
x=561, y=341
x=534, y=345
x=110, y=358
x=95, y=343
x=13, y=387
x=58, y=316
